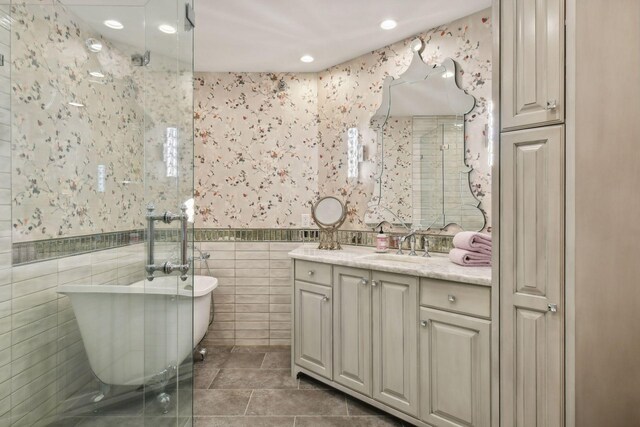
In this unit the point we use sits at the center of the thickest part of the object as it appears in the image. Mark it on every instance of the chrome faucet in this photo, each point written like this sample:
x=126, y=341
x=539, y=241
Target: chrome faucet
x=203, y=255
x=412, y=243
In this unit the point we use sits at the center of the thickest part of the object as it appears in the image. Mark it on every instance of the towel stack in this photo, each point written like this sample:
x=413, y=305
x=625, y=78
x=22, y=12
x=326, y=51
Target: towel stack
x=471, y=249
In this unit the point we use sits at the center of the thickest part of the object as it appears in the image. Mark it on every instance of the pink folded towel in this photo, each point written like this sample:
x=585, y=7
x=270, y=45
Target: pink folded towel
x=469, y=258
x=472, y=241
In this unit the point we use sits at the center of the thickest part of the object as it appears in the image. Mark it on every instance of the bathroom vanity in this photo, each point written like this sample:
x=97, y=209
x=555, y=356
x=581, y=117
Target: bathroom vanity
x=409, y=335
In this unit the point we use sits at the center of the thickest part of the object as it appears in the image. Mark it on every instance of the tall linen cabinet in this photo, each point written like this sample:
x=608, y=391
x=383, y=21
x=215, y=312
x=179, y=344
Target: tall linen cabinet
x=531, y=213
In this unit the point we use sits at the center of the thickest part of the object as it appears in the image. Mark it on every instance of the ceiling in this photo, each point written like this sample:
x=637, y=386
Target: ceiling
x=272, y=35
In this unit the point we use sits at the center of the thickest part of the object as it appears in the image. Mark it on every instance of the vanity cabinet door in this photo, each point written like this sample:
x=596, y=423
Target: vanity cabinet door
x=395, y=341
x=532, y=63
x=455, y=368
x=352, y=328
x=313, y=333
x=532, y=277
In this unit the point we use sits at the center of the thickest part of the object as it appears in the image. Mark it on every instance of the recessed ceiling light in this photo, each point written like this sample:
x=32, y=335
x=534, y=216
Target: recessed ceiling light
x=306, y=58
x=167, y=29
x=388, y=24
x=113, y=24
x=94, y=45
x=97, y=74
x=76, y=104
x=447, y=74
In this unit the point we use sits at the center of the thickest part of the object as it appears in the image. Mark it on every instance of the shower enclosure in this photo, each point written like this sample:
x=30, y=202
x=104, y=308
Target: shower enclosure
x=96, y=127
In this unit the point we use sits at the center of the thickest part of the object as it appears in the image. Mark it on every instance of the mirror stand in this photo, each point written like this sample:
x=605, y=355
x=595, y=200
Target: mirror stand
x=329, y=214
x=329, y=239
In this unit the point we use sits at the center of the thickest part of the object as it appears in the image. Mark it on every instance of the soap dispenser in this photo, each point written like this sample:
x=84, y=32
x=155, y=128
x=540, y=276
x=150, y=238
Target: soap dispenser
x=382, y=241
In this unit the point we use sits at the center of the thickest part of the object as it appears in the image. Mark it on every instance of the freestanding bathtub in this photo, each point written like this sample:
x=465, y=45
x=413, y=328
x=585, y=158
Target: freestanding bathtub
x=135, y=333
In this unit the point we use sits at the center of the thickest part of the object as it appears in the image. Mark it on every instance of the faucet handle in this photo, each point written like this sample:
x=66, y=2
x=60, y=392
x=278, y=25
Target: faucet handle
x=399, y=241
x=425, y=245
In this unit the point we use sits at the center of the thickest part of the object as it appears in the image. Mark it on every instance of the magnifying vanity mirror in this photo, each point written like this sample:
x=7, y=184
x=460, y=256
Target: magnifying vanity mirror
x=422, y=180
x=329, y=214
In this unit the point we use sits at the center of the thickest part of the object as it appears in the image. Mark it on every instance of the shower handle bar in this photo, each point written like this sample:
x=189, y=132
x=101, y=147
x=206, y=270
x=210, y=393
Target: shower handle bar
x=167, y=267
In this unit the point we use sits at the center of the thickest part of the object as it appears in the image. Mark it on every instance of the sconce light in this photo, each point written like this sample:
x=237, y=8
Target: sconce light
x=489, y=134
x=170, y=154
x=355, y=153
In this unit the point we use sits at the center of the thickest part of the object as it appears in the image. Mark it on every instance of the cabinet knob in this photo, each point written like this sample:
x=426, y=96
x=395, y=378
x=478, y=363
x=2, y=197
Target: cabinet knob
x=553, y=308
x=451, y=298
x=424, y=323
x=374, y=283
x=364, y=281
x=311, y=273
x=552, y=105
x=325, y=298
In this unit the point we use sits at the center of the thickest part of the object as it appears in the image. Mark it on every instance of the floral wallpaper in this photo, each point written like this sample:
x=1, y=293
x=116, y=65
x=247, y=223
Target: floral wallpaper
x=264, y=154
x=56, y=145
x=68, y=124
x=267, y=145
x=396, y=181
x=350, y=93
x=256, y=149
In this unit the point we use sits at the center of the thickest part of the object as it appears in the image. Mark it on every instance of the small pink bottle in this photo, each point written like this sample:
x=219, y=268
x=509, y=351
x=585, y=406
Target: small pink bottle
x=382, y=242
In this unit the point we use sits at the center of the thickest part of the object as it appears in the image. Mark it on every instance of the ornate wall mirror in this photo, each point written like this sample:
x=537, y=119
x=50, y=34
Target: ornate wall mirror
x=329, y=214
x=422, y=180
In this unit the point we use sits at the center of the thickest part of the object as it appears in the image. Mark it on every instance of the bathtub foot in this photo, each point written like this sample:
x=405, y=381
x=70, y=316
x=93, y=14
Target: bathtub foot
x=98, y=397
x=165, y=402
x=202, y=352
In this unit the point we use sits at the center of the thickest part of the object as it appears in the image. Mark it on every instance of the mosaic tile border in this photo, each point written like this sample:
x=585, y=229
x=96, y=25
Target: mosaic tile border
x=437, y=243
x=42, y=250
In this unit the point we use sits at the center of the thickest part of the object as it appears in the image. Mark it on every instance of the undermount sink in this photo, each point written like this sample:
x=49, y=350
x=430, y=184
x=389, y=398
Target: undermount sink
x=396, y=258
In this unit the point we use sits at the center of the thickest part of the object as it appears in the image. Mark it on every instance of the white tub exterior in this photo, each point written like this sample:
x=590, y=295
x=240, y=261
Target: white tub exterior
x=131, y=333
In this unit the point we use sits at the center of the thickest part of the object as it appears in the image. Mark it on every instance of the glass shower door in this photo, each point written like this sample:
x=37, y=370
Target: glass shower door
x=168, y=157
x=101, y=112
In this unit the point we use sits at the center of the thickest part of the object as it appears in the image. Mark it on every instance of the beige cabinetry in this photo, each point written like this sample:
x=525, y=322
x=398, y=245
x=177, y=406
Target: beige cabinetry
x=395, y=340
x=313, y=334
x=416, y=347
x=531, y=276
x=352, y=328
x=454, y=369
x=531, y=214
x=532, y=63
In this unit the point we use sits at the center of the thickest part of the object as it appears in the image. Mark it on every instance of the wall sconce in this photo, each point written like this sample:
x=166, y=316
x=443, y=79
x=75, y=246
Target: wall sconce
x=489, y=129
x=355, y=153
x=102, y=176
x=170, y=152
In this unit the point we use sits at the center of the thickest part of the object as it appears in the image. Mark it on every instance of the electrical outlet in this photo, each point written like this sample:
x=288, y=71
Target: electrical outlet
x=306, y=220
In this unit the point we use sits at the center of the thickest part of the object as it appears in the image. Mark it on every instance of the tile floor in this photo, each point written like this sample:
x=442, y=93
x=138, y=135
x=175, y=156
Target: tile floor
x=239, y=386
x=252, y=386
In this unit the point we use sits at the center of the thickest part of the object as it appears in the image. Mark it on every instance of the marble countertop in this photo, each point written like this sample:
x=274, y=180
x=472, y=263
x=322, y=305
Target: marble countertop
x=437, y=266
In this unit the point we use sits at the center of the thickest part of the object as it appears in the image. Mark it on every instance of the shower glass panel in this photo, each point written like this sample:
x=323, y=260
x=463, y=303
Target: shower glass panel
x=96, y=127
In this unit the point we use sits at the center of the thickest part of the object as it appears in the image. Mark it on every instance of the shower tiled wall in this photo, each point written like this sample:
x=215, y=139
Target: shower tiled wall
x=5, y=227
x=44, y=367
x=252, y=303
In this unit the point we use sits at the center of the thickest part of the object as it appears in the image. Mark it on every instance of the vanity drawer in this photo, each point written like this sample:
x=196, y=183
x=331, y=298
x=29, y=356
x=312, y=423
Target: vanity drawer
x=458, y=297
x=313, y=272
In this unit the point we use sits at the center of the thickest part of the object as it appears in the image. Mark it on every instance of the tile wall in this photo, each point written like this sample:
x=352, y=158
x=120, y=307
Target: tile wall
x=253, y=300
x=43, y=363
